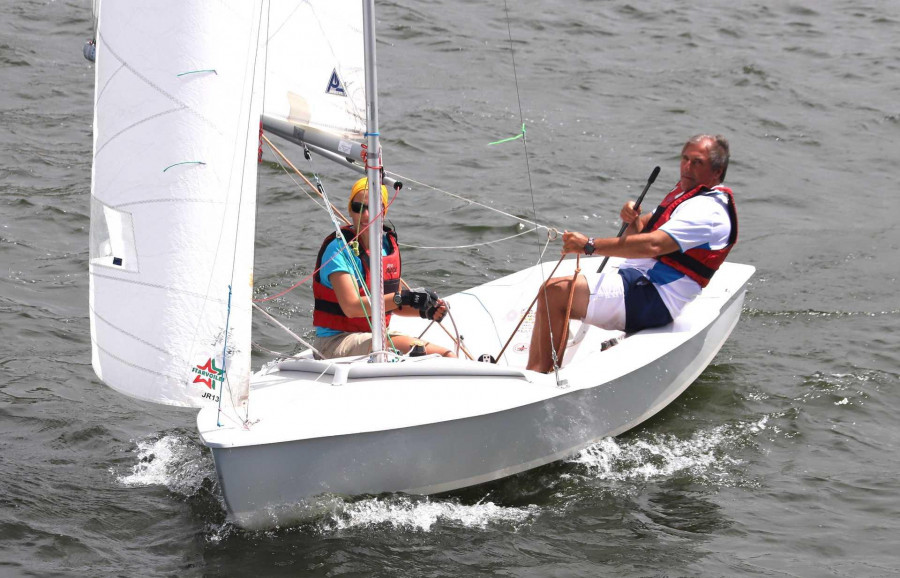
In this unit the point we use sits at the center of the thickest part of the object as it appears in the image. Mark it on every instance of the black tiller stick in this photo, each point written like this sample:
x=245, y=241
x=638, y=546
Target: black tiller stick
x=637, y=205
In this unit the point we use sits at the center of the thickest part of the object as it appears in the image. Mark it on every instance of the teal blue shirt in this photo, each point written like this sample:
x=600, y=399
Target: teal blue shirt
x=343, y=261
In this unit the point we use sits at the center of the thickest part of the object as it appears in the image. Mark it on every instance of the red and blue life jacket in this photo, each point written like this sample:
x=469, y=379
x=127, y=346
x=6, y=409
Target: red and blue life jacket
x=698, y=263
x=327, y=311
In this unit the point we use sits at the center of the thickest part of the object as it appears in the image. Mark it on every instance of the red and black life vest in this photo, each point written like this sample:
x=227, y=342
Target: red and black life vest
x=698, y=264
x=327, y=311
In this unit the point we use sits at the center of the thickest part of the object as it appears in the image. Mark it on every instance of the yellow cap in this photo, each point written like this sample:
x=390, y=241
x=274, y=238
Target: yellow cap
x=363, y=185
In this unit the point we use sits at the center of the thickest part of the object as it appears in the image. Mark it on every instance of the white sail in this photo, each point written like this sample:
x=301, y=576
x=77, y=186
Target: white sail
x=173, y=197
x=315, y=77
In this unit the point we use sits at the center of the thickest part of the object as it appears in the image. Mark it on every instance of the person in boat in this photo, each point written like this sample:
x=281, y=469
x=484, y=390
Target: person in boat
x=342, y=309
x=670, y=254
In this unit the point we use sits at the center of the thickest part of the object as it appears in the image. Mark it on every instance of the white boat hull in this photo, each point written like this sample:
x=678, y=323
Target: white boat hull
x=411, y=427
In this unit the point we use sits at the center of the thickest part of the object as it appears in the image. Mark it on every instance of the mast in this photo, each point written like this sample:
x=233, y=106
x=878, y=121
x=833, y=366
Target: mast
x=373, y=172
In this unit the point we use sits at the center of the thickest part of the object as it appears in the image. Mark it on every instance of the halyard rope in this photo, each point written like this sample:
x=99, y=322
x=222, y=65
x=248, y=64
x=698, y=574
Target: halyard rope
x=470, y=201
x=530, y=185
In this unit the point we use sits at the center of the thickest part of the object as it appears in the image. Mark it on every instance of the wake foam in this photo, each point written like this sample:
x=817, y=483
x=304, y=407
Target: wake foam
x=423, y=514
x=706, y=455
x=178, y=463
x=181, y=465
x=173, y=461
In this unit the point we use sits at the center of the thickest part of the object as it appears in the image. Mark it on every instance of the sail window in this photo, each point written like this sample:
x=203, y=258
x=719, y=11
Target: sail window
x=112, y=238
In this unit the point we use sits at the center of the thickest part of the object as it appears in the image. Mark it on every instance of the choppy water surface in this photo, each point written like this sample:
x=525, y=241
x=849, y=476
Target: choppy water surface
x=780, y=460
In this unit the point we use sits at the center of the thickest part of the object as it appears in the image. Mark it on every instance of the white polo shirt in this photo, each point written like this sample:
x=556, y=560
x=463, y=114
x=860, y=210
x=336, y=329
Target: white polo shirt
x=699, y=222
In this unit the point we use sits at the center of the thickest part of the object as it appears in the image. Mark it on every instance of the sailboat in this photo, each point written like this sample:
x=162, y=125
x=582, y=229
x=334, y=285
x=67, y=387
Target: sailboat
x=180, y=94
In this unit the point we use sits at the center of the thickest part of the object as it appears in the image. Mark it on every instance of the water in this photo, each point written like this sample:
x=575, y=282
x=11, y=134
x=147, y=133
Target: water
x=780, y=460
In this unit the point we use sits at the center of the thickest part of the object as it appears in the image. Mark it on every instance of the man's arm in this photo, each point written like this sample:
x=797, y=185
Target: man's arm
x=636, y=246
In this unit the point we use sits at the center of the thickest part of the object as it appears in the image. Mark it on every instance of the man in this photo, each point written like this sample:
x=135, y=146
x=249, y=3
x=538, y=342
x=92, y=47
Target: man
x=342, y=308
x=670, y=256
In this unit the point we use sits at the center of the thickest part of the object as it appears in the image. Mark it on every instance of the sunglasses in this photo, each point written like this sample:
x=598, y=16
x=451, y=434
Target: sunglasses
x=358, y=207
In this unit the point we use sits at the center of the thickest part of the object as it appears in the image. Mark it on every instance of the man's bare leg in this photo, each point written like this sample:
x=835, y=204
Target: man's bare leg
x=556, y=300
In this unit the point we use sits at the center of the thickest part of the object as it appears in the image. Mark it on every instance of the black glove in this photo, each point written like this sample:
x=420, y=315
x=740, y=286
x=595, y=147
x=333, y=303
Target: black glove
x=422, y=299
x=429, y=314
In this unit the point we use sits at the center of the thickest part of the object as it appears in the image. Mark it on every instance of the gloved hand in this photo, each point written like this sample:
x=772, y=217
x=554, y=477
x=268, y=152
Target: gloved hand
x=425, y=300
x=437, y=311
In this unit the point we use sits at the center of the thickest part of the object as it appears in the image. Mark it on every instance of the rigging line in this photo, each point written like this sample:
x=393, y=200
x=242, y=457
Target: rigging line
x=474, y=245
x=333, y=213
x=345, y=248
x=324, y=371
x=512, y=53
x=206, y=297
x=282, y=326
x=339, y=236
x=307, y=278
x=393, y=352
x=284, y=21
x=290, y=176
x=457, y=340
x=234, y=420
x=225, y=361
x=527, y=165
x=470, y=201
x=302, y=176
x=277, y=152
x=262, y=17
x=333, y=216
x=528, y=310
x=329, y=207
x=359, y=275
x=279, y=354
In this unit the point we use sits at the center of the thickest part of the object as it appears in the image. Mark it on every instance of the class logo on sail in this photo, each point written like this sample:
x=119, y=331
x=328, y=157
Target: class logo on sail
x=335, y=86
x=208, y=374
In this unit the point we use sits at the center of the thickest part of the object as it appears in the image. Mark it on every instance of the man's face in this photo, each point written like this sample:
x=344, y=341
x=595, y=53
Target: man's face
x=695, y=167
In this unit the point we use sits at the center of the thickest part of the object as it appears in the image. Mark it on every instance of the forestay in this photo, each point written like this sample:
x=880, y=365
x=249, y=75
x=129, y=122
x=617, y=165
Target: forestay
x=173, y=197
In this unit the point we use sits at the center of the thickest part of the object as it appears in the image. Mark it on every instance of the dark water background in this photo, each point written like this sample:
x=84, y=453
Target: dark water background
x=781, y=460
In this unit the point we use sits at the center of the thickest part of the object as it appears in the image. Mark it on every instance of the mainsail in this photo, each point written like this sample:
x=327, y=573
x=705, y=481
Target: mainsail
x=315, y=77
x=173, y=195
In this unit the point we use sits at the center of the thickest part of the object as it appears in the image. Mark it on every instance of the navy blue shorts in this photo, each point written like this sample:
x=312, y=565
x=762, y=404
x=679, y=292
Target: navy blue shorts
x=644, y=308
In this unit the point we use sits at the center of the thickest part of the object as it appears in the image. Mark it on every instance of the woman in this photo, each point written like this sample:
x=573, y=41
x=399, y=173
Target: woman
x=342, y=308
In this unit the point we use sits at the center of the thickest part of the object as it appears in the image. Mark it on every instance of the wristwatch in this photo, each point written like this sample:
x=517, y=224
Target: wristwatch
x=589, y=246
x=398, y=300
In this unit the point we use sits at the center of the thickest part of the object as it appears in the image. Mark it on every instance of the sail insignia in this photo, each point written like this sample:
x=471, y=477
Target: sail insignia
x=335, y=86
